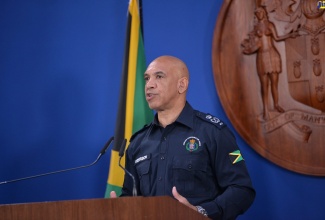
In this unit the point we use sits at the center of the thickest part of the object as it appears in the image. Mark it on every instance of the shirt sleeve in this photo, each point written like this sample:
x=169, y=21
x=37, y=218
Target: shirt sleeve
x=233, y=179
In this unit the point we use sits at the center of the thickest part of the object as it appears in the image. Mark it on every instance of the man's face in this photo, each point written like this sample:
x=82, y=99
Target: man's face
x=161, y=82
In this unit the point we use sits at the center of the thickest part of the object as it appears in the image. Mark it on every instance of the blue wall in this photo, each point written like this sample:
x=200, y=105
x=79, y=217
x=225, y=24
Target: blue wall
x=60, y=67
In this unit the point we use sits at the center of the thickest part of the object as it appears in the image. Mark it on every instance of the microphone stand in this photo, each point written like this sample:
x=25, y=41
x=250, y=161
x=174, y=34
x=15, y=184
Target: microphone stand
x=134, y=190
x=102, y=152
x=121, y=153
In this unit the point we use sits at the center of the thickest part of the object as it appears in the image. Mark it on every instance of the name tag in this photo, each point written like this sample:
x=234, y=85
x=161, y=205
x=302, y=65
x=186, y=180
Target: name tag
x=141, y=159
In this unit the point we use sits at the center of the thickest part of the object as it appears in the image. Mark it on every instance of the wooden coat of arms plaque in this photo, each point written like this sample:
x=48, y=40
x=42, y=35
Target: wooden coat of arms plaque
x=269, y=68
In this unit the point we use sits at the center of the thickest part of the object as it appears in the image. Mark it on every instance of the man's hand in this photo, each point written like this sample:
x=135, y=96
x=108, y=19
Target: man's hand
x=182, y=199
x=113, y=194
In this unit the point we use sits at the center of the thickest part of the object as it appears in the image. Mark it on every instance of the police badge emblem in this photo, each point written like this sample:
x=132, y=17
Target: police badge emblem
x=192, y=144
x=278, y=82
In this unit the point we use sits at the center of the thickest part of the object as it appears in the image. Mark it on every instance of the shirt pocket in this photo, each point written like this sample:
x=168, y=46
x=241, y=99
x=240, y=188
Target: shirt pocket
x=190, y=175
x=143, y=170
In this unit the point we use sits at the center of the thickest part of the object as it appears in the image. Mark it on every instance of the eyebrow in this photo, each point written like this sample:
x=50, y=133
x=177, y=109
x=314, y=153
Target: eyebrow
x=155, y=73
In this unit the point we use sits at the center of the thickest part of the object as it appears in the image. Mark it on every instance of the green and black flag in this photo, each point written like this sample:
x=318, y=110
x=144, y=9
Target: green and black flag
x=133, y=111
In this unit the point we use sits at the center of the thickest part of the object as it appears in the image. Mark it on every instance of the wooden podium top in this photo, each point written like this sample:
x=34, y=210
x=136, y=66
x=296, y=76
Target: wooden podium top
x=161, y=207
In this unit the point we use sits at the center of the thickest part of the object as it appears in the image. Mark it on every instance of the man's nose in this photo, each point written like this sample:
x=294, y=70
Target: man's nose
x=150, y=83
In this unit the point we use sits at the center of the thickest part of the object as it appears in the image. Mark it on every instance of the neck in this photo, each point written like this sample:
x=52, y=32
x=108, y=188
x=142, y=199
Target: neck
x=168, y=116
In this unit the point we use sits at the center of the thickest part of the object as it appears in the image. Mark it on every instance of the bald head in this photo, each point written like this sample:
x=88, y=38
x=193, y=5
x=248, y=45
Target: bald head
x=175, y=65
x=166, y=83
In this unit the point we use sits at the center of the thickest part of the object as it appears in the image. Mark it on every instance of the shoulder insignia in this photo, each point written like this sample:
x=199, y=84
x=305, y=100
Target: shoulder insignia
x=211, y=119
x=139, y=131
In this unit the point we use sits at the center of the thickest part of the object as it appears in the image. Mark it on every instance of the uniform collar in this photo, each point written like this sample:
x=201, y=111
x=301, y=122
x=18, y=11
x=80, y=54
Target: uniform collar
x=185, y=117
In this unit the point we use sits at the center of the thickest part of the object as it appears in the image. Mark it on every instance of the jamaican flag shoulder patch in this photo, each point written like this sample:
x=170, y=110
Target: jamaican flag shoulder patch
x=235, y=156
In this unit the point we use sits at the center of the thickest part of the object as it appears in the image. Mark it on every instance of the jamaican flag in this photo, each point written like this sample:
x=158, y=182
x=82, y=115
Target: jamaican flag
x=133, y=111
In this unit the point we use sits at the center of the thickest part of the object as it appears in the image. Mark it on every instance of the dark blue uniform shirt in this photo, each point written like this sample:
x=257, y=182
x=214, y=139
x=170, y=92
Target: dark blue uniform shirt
x=198, y=154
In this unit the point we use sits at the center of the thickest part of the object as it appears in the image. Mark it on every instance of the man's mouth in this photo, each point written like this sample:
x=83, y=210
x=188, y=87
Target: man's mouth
x=149, y=96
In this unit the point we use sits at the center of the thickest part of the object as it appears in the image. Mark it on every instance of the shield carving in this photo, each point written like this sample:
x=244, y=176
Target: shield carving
x=268, y=61
x=306, y=69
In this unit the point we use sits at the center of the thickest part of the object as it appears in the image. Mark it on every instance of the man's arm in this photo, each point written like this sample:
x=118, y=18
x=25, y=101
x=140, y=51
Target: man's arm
x=233, y=179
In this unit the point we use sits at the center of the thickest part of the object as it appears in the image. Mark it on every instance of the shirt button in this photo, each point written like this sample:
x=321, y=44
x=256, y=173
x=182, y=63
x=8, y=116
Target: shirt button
x=190, y=166
x=165, y=138
x=162, y=158
x=159, y=178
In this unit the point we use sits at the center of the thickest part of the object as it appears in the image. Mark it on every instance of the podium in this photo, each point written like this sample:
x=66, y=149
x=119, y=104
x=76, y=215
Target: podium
x=160, y=207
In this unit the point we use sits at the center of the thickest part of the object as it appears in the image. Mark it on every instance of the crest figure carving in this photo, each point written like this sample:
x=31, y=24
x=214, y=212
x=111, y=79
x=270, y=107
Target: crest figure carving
x=277, y=82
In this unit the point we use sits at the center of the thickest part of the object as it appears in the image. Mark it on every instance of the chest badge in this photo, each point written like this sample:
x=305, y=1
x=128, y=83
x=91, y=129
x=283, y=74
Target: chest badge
x=192, y=143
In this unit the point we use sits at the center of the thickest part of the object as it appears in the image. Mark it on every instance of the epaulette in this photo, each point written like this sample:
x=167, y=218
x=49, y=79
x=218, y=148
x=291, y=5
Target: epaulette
x=211, y=119
x=139, y=131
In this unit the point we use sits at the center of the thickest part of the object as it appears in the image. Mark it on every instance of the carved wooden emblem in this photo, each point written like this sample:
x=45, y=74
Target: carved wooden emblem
x=269, y=67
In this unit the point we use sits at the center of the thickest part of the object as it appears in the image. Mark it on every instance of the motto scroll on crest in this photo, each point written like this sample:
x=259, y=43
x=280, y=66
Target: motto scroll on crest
x=268, y=61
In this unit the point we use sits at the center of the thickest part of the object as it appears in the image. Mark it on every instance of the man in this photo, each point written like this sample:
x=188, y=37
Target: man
x=184, y=153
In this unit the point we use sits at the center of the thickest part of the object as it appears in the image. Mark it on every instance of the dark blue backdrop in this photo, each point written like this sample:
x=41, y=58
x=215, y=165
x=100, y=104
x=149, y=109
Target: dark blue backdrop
x=60, y=68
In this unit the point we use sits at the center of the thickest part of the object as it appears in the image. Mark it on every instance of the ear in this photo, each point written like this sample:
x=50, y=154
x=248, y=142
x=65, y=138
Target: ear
x=182, y=85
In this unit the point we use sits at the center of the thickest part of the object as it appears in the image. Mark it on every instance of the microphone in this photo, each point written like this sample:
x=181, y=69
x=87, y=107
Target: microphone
x=102, y=152
x=121, y=153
